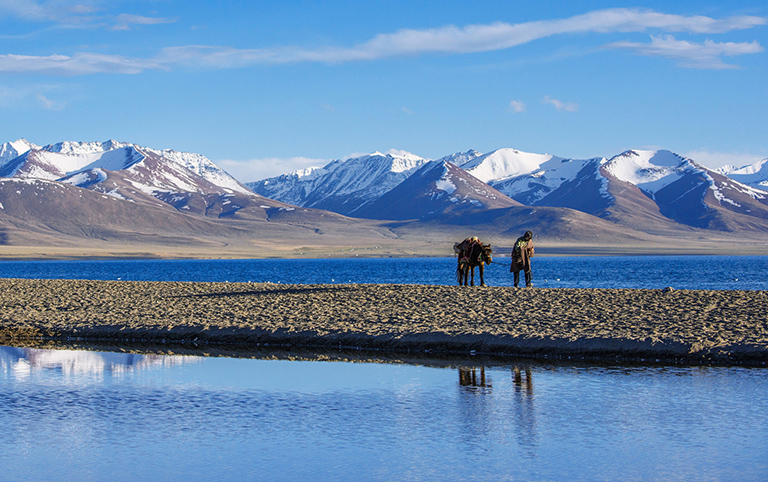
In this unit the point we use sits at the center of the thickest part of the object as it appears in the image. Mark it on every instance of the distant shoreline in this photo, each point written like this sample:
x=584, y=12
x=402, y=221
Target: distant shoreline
x=676, y=326
x=22, y=253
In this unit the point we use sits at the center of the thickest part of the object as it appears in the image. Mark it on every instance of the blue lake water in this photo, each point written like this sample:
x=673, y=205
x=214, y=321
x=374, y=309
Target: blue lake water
x=87, y=415
x=80, y=415
x=680, y=272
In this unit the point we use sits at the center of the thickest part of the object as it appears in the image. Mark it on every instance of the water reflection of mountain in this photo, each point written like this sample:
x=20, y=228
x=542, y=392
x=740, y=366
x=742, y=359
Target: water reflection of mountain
x=21, y=361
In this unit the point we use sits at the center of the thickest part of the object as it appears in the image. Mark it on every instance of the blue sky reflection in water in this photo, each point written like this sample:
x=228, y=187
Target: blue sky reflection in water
x=69, y=415
x=680, y=272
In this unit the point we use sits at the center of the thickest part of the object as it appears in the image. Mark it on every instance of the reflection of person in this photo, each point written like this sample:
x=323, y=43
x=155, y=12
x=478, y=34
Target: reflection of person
x=522, y=253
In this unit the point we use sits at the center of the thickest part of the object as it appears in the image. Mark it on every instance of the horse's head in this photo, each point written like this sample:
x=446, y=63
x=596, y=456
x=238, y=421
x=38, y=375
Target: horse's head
x=487, y=254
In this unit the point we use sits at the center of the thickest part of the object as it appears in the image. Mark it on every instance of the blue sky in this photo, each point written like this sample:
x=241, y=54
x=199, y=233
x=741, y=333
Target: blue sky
x=263, y=88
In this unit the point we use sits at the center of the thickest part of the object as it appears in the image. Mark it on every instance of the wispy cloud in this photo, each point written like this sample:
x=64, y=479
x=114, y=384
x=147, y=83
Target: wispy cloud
x=29, y=95
x=69, y=13
x=470, y=39
x=516, y=106
x=49, y=104
x=559, y=105
x=408, y=42
x=124, y=21
x=60, y=12
x=705, y=55
x=77, y=64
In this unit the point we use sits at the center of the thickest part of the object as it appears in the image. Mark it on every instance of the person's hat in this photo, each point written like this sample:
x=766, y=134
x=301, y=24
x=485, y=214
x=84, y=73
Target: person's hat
x=528, y=235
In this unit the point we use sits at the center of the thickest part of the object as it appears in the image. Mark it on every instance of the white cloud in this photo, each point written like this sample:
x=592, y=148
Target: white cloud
x=516, y=106
x=559, y=105
x=714, y=160
x=125, y=21
x=407, y=42
x=705, y=55
x=62, y=12
x=77, y=64
x=258, y=169
x=72, y=13
x=49, y=104
x=455, y=40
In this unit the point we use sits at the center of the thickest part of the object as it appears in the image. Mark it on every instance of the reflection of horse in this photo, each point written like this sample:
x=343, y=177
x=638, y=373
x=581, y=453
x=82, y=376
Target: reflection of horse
x=468, y=378
x=477, y=254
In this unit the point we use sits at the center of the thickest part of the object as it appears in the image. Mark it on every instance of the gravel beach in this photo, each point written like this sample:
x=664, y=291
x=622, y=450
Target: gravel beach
x=684, y=326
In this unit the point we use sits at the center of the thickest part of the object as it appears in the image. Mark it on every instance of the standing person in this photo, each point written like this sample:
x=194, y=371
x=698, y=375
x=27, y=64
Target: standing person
x=522, y=253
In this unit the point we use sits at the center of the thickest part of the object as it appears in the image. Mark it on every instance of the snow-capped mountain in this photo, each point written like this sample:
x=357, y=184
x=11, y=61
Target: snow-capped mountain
x=754, y=175
x=504, y=163
x=653, y=190
x=437, y=188
x=182, y=171
x=342, y=186
x=11, y=150
x=461, y=158
x=187, y=181
x=523, y=176
x=63, y=193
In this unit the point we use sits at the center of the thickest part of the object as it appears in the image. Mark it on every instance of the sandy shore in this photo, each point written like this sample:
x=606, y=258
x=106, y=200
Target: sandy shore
x=687, y=326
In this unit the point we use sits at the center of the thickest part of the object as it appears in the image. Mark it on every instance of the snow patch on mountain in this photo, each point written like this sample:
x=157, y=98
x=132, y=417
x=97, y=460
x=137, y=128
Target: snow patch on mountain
x=446, y=185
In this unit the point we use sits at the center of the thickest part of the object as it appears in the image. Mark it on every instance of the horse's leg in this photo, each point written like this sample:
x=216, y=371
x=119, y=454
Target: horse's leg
x=472, y=269
x=482, y=279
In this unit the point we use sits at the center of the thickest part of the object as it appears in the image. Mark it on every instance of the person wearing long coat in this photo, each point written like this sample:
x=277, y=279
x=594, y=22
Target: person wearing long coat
x=522, y=252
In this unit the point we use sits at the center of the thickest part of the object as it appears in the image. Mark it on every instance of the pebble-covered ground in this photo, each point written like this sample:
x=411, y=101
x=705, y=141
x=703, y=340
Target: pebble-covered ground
x=693, y=326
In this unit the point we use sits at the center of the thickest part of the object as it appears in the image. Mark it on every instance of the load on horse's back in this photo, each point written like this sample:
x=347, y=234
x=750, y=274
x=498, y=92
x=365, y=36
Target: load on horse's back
x=471, y=253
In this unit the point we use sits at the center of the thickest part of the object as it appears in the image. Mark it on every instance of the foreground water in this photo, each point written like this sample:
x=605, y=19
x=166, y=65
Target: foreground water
x=78, y=415
x=680, y=272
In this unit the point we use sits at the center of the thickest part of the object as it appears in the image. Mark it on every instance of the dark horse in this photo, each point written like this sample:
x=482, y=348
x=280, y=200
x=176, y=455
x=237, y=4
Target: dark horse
x=479, y=255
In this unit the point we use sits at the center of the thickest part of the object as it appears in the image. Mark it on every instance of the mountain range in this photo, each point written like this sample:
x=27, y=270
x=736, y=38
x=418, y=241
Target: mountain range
x=113, y=193
x=652, y=191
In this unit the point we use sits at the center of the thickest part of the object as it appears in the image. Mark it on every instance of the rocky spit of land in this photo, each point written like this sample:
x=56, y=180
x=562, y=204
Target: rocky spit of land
x=682, y=326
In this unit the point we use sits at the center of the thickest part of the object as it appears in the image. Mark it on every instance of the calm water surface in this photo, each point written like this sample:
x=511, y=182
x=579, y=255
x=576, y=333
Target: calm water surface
x=681, y=272
x=78, y=415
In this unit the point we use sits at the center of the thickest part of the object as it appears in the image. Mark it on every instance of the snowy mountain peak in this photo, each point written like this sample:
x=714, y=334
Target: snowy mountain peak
x=77, y=148
x=397, y=153
x=167, y=171
x=461, y=158
x=505, y=163
x=753, y=175
x=651, y=170
x=11, y=150
x=344, y=185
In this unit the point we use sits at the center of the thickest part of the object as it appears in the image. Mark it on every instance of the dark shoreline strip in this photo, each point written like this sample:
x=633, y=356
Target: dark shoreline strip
x=679, y=326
